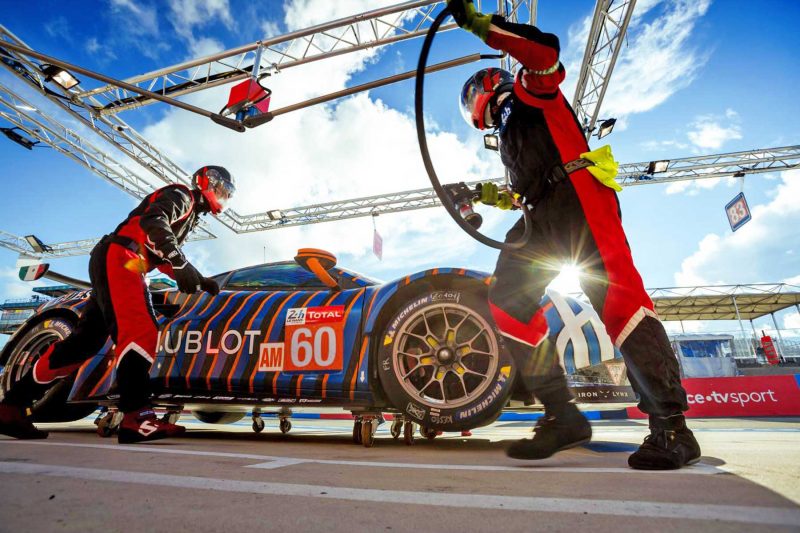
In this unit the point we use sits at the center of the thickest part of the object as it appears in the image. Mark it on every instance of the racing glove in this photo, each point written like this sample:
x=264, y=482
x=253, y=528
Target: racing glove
x=491, y=195
x=210, y=286
x=187, y=277
x=469, y=19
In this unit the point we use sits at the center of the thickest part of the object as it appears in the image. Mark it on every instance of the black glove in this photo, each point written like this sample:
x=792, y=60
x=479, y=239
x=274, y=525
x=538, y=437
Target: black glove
x=210, y=286
x=188, y=278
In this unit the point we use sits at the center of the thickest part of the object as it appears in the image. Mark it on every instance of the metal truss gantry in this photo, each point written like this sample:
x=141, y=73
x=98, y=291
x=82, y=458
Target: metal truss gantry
x=97, y=108
x=631, y=174
x=609, y=24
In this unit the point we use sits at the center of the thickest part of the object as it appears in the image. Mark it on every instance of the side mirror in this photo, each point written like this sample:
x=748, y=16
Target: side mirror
x=318, y=262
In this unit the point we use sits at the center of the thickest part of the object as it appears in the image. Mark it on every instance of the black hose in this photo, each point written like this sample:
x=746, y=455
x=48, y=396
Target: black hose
x=426, y=157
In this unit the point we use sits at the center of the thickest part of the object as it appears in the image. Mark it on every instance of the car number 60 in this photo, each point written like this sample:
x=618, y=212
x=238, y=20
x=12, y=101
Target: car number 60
x=323, y=350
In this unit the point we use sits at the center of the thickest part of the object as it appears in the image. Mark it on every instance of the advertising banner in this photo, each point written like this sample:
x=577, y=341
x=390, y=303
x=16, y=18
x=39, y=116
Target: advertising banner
x=740, y=396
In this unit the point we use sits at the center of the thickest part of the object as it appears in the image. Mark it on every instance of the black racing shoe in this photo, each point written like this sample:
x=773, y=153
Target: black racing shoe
x=553, y=434
x=666, y=449
x=14, y=423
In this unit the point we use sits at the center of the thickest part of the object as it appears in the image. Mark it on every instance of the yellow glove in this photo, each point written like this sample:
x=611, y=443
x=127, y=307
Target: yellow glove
x=605, y=168
x=491, y=195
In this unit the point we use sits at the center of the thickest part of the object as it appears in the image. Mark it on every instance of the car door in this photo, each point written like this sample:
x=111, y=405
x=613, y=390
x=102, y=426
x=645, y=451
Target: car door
x=274, y=332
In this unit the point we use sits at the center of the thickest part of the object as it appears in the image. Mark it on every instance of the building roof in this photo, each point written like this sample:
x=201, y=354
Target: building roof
x=721, y=302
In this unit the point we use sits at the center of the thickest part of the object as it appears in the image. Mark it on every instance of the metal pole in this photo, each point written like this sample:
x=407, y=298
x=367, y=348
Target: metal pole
x=682, y=330
x=780, y=337
x=252, y=122
x=219, y=119
x=741, y=326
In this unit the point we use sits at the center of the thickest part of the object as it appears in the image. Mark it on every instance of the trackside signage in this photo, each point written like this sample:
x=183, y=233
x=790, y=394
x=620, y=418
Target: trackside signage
x=740, y=396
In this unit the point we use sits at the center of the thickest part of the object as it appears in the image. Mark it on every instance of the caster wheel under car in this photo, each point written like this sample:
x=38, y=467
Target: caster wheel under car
x=357, y=431
x=285, y=426
x=108, y=424
x=367, y=434
x=408, y=433
x=258, y=425
x=396, y=429
x=428, y=433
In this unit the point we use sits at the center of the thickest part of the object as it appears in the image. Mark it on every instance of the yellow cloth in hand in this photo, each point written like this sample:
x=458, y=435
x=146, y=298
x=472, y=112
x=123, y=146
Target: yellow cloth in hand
x=605, y=168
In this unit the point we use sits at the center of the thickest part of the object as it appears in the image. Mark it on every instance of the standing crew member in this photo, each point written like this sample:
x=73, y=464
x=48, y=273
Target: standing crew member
x=576, y=218
x=151, y=237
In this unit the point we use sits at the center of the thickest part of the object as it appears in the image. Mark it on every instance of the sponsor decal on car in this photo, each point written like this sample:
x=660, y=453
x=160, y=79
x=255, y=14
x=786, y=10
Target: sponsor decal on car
x=314, y=339
x=415, y=410
x=502, y=379
x=270, y=358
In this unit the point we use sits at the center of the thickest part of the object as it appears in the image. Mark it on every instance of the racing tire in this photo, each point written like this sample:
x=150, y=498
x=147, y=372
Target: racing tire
x=52, y=406
x=442, y=361
x=217, y=417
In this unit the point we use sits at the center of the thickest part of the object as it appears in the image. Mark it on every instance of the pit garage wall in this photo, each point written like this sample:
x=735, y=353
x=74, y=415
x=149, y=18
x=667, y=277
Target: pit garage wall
x=740, y=396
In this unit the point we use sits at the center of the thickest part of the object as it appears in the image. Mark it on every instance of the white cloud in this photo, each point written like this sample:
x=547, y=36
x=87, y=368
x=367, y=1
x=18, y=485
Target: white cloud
x=710, y=132
x=186, y=15
x=269, y=29
x=141, y=19
x=102, y=53
x=761, y=251
x=792, y=321
x=657, y=146
x=350, y=148
x=657, y=61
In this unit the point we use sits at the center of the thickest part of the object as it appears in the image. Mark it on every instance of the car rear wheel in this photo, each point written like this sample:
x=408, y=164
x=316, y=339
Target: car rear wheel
x=443, y=363
x=52, y=406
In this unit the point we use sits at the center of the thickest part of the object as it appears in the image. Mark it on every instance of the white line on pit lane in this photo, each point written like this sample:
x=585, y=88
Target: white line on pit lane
x=272, y=461
x=780, y=516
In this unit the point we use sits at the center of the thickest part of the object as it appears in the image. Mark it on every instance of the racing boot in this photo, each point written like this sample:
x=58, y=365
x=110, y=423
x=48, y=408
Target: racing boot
x=44, y=372
x=562, y=427
x=15, y=423
x=669, y=446
x=143, y=425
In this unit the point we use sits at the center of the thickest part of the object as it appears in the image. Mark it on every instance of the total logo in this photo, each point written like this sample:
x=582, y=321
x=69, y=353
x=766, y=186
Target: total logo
x=299, y=316
x=732, y=397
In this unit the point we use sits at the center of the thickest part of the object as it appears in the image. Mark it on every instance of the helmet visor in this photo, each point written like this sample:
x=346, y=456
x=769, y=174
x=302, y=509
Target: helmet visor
x=223, y=189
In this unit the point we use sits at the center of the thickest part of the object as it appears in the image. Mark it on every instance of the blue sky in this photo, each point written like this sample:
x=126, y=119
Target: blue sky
x=697, y=77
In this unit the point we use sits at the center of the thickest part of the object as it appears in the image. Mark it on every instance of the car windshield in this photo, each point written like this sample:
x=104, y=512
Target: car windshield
x=275, y=276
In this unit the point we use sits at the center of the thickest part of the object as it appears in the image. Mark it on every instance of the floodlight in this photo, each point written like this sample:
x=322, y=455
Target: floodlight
x=739, y=174
x=606, y=127
x=658, y=166
x=62, y=77
x=491, y=142
x=37, y=245
x=275, y=214
x=19, y=139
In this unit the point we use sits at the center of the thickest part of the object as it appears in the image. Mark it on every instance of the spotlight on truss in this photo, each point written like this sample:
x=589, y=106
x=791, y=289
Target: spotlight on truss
x=37, y=245
x=18, y=138
x=658, y=166
x=491, y=142
x=275, y=214
x=60, y=76
x=606, y=127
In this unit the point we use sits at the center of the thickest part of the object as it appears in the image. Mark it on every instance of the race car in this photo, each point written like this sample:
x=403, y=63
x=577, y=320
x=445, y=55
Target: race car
x=305, y=333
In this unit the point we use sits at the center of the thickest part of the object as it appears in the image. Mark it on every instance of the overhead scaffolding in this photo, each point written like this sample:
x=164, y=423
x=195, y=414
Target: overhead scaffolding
x=97, y=108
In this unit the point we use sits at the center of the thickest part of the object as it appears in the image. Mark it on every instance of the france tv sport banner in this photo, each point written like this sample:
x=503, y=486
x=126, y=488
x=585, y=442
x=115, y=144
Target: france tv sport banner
x=740, y=396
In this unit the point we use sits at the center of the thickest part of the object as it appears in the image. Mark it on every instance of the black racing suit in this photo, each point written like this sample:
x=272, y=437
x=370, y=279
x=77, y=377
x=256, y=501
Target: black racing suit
x=576, y=219
x=120, y=306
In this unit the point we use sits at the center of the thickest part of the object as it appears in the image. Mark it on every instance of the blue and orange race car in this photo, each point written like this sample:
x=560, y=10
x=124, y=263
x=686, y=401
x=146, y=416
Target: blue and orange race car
x=304, y=333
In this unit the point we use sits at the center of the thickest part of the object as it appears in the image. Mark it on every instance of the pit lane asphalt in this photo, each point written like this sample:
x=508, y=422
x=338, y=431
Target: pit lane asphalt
x=226, y=478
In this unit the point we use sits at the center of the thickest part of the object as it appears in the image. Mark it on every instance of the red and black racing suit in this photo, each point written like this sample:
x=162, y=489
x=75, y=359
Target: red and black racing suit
x=575, y=219
x=120, y=306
